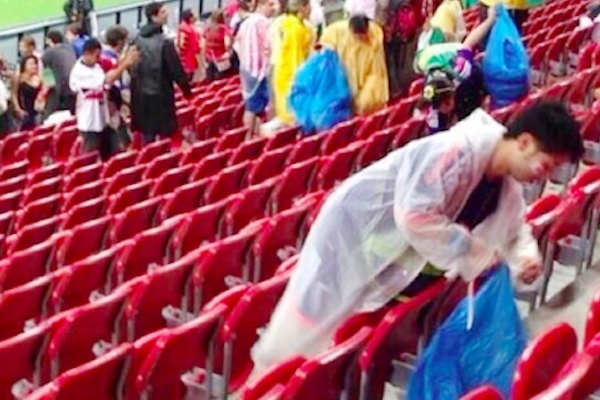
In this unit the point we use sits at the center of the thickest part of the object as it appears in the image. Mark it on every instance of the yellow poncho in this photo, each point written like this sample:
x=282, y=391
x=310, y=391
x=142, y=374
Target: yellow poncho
x=296, y=40
x=365, y=64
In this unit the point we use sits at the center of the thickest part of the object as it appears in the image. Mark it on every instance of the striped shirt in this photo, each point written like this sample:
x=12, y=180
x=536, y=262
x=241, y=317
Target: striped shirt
x=252, y=45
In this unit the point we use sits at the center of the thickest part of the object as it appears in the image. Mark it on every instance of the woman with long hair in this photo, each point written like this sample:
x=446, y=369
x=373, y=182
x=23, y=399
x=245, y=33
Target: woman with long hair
x=28, y=93
x=217, y=44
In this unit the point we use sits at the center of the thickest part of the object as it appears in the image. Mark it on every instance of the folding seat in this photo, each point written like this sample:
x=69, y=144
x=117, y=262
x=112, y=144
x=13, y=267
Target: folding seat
x=118, y=163
x=372, y=124
x=9, y=146
x=232, y=98
x=7, y=221
x=280, y=238
x=410, y=130
x=224, y=264
x=483, y=393
x=401, y=112
x=199, y=227
x=375, y=148
x=295, y=182
x=122, y=179
x=283, y=138
x=24, y=266
x=171, y=180
x=249, y=150
x=38, y=210
x=585, y=56
x=10, y=201
x=337, y=137
x=38, y=151
x=41, y=190
x=153, y=302
x=134, y=219
x=99, y=379
x=211, y=165
x=32, y=234
x=223, y=119
x=147, y=250
x=161, y=164
x=231, y=139
x=543, y=359
x=375, y=361
x=74, y=249
x=82, y=176
x=152, y=151
x=539, y=63
x=128, y=196
x=26, y=305
x=241, y=328
x=85, y=333
x=80, y=161
x=184, y=199
x=183, y=348
x=84, y=212
x=86, y=280
x=63, y=142
x=207, y=108
x=44, y=173
x=229, y=181
x=335, y=168
x=82, y=194
x=557, y=57
x=14, y=170
x=197, y=151
x=576, y=40
x=504, y=115
x=582, y=374
x=269, y=164
x=17, y=184
x=416, y=87
x=592, y=324
x=22, y=353
x=247, y=206
x=186, y=126
x=306, y=148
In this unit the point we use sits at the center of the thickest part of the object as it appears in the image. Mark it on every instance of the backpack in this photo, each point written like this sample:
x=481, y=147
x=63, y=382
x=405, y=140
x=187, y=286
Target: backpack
x=403, y=22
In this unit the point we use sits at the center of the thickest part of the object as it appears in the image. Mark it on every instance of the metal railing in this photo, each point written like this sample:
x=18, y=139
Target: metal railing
x=129, y=15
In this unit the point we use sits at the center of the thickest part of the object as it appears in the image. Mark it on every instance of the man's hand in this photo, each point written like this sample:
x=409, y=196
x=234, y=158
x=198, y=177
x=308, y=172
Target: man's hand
x=531, y=270
x=132, y=56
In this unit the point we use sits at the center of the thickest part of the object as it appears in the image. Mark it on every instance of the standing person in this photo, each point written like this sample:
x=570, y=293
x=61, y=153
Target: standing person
x=116, y=38
x=518, y=10
x=59, y=58
x=77, y=37
x=82, y=12
x=449, y=204
x=292, y=49
x=28, y=47
x=89, y=81
x=152, y=92
x=359, y=44
x=27, y=107
x=252, y=47
x=217, y=44
x=189, y=43
x=448, y=17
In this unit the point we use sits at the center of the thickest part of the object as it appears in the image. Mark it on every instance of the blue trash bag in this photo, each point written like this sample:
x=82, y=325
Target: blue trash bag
x=321, y=96
x=458, y=360
x=506, y=63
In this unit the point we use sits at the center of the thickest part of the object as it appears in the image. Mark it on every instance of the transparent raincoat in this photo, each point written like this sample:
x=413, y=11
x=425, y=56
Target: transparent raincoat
x=377, y=231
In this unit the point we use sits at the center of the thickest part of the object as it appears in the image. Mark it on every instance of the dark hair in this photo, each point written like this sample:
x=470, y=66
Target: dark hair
x=359, y=24
x=552, y=125
x=438, y=88
x=152, y=10
x=91, y=45
x=24, y=60
x=217, y=16
x=28, y=40
x=187, y=15
x=55, y=37
x=116, y=34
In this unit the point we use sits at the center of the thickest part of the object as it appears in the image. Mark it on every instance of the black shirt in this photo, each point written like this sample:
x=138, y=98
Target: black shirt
x=482, y=202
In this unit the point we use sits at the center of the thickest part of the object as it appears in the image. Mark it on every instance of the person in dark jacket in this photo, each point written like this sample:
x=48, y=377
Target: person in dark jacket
x=82, y=12
x=152, y=91
x=58, y=59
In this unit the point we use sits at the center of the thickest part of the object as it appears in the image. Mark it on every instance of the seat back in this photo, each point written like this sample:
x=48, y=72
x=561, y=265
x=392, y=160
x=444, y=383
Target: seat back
x=249, y=205
x=229, y=181
x=134, y=219
x=26, y=265
x=296, y=181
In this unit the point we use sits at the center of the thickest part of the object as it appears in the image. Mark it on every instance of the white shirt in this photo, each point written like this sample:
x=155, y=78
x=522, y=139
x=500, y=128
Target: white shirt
x=4, y=97
x=366, y=7
x=88, y=84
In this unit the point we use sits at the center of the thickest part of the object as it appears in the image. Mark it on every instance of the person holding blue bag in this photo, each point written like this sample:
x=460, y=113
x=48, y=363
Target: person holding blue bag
x=448, y=205
x=506, y=63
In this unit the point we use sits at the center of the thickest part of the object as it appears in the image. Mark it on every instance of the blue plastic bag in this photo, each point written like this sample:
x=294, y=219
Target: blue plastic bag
x=458, y=360
x=506, y=63
x=321, y=96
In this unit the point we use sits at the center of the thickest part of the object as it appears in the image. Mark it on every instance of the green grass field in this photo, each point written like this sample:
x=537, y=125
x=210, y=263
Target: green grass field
x=19, y=12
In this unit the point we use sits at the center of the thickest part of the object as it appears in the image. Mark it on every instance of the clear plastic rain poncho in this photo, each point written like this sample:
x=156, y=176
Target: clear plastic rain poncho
x=376, y=232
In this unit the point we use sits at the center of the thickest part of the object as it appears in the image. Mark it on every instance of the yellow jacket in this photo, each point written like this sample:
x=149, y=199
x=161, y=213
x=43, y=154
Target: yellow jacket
x=293, y=48
x=509, y=4
x=364, y=62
